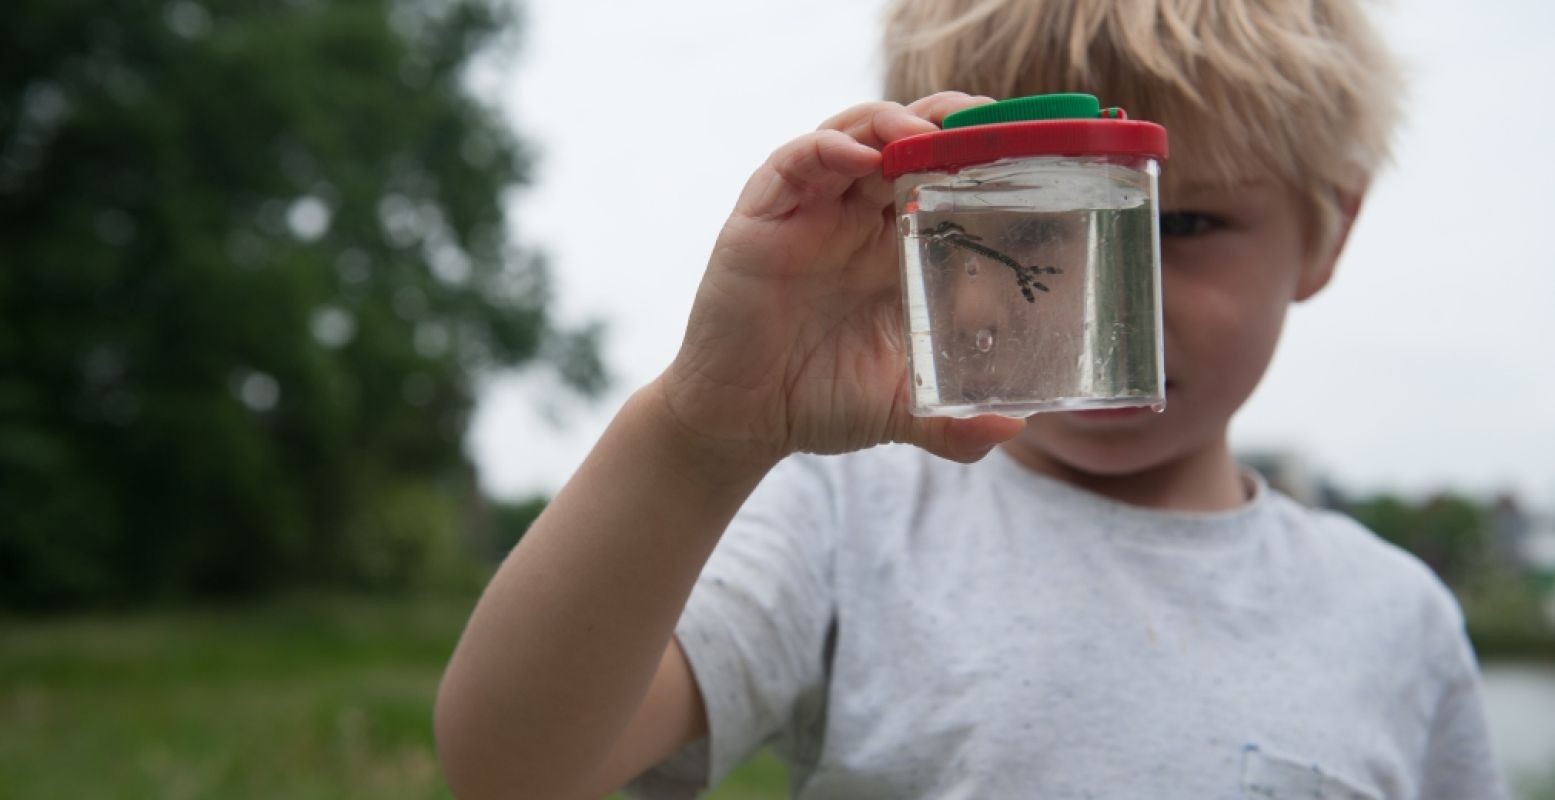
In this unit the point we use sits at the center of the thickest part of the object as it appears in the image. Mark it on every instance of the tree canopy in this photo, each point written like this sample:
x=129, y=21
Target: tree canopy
x=253, y=257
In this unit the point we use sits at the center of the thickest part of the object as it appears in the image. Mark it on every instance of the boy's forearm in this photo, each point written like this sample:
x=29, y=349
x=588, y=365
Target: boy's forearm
x=562, y=647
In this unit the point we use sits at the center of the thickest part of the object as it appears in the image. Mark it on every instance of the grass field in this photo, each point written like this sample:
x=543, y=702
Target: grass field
x=301, y=698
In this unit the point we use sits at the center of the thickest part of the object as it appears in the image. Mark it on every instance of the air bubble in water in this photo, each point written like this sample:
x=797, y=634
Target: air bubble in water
x=984, y=340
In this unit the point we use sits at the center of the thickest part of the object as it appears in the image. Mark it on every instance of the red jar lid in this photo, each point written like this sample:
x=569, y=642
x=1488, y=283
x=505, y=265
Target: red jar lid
x=967, y=143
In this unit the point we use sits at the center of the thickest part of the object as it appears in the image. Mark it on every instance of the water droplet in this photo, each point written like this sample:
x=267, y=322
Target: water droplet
x=918, y=378
x=1158, y=407
x=904, y=226
x=984, y=340
x=971, y=268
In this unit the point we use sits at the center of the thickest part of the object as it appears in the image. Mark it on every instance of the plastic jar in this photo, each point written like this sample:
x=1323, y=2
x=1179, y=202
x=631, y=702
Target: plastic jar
x=1030, y=252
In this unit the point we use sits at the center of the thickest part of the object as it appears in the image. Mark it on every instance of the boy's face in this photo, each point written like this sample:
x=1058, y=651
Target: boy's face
x=1232, y=261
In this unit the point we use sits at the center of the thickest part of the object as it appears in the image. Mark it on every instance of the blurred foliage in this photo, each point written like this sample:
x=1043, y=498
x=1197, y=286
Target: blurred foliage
x=1506, y=615
x=252, y=258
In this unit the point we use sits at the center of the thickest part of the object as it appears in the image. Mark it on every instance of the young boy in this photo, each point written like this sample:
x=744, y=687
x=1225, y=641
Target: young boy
x=1074, y=605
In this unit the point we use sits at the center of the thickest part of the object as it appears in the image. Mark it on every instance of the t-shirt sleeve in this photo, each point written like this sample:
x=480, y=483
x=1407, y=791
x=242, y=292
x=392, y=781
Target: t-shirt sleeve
x=755, y=627
x=1459, y=760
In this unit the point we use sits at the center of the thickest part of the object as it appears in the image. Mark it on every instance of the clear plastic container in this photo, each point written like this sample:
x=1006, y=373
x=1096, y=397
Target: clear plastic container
x=1031, y=280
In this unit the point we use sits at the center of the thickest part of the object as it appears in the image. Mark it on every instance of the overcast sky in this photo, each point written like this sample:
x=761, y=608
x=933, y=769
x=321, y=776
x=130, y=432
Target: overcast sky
x=1427, y=364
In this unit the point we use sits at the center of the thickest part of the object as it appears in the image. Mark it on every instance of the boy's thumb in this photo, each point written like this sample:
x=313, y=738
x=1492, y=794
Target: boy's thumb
x=965, y=440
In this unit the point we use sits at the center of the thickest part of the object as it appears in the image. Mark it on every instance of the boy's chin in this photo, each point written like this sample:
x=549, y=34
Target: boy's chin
x=1101, y=444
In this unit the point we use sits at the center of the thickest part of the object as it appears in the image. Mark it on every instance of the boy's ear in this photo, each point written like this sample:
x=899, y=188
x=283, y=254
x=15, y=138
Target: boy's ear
x=1320, y=269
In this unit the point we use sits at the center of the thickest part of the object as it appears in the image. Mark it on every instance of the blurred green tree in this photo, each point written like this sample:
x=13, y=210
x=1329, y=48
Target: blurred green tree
x=252, y=259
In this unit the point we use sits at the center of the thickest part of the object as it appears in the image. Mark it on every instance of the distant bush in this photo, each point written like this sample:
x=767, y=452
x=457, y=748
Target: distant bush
x=1506, y=615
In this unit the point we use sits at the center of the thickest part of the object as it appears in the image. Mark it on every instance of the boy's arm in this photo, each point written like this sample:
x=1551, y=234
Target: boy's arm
x=794, y=343
x=1458, y=760
x=567, y=681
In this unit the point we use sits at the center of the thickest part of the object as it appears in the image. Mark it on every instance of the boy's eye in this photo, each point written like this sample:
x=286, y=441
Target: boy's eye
x=1189, y=223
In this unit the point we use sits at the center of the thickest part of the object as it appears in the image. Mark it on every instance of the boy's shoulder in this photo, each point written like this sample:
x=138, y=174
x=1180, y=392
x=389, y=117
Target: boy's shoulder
x=1351, y=548
x=1375, y=577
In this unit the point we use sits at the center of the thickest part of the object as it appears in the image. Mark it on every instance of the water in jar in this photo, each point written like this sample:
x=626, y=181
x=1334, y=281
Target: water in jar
x=1032, y=289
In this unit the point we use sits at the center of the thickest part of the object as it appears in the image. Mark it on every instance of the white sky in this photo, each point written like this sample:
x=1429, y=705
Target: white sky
x=1429, y=363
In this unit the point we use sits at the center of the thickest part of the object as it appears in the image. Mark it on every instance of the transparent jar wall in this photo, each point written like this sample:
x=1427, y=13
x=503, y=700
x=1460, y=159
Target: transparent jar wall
x=1033, y=284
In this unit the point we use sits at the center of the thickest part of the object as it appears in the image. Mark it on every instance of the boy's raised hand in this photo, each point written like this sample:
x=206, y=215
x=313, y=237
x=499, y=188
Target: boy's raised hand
x=796, y=340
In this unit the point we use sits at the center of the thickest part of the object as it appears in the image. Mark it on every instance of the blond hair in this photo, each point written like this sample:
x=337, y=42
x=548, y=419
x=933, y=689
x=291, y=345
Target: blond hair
x=1302, y=90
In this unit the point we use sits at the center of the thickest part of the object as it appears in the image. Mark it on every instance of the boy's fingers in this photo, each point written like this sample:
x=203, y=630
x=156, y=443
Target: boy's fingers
x=882, y=122
x=820, y=165
x=936, y=107
x=873, y=190
x=878, y=124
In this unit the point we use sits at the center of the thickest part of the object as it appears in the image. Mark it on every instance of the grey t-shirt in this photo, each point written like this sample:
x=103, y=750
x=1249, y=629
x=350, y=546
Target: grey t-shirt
x=899, y=626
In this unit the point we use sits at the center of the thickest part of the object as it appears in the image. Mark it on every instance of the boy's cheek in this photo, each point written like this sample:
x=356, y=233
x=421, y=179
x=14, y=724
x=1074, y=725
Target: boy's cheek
x=1195, y=308
x=1210, y=328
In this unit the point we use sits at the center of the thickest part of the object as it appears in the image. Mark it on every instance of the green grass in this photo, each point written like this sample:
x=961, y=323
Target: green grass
x=309, y=697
